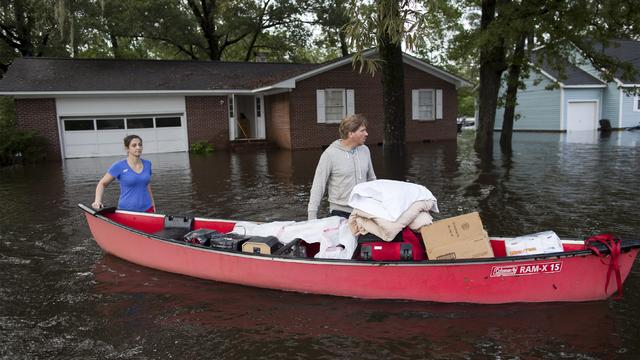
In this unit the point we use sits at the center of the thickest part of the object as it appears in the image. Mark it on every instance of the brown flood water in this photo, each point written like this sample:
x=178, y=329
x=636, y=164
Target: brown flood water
x=61, y=297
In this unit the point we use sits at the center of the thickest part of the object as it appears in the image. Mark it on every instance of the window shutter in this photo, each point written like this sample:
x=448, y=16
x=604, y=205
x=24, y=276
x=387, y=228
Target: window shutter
x=320, y=105
x=438, y=103
x=415, y=101
x=351, y=105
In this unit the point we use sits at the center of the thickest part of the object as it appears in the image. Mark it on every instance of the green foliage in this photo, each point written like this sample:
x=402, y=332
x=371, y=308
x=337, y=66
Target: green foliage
x=21, y=146
x=466, y=102
x=16, y=145
x=201, y=147
x=7, y=112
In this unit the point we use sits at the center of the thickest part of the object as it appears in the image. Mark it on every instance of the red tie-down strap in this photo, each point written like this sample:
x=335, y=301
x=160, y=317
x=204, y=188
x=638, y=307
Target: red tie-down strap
x=613, y=244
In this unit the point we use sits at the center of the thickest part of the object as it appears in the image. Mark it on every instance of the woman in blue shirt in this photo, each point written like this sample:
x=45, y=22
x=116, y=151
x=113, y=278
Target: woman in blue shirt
x=134, y=175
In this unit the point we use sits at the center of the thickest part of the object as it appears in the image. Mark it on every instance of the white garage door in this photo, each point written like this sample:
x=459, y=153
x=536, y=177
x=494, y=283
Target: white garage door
x=102, y=136
x=582, y=116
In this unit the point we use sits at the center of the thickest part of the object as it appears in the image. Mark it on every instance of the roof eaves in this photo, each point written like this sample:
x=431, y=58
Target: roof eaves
x=541, y=70
x=291, y=82
x=125, y=92
x=595, y=86
x=433, y=70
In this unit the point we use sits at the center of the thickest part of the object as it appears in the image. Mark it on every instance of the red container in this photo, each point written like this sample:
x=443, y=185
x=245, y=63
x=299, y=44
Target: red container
x=409, y=249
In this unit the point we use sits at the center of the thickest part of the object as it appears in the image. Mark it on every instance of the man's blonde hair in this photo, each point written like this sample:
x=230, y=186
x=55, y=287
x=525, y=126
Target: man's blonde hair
x=351, y=123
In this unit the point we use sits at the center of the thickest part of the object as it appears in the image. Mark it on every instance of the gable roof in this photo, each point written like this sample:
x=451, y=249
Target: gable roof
x=35, y=76
x=574, y=76
x=626, y=51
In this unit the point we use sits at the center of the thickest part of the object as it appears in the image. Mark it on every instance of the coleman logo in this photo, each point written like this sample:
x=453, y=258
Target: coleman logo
x=526, y=269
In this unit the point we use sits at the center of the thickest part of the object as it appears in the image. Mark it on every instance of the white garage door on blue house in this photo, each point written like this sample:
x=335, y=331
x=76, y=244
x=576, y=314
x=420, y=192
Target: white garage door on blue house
x=582, y=115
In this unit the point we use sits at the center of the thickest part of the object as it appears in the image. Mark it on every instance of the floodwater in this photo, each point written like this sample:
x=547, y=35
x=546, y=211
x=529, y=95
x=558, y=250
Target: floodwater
x=61, y=297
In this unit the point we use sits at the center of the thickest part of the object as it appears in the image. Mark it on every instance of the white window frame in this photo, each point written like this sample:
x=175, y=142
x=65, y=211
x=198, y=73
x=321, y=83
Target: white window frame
x=636, y=103
x=436, y=104
x=348, y=104
x=343, y=106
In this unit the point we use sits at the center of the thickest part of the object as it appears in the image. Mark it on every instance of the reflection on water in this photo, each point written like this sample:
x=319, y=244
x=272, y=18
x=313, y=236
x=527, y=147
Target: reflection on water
x=339, y=327
x=62, y=297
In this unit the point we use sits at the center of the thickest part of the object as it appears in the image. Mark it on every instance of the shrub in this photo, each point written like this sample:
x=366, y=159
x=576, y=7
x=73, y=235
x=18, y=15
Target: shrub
x=21, y=146
x=7, y=112
x=201, y=147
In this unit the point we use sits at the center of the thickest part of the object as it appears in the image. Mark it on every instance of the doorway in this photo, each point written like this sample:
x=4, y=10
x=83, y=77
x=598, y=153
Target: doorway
x=246, y=117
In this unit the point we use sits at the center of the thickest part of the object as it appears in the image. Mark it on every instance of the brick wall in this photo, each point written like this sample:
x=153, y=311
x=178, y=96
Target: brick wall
x=40, y=115
x=208, y=119
x=442, y=129
x=278, y=122
x=307, y=133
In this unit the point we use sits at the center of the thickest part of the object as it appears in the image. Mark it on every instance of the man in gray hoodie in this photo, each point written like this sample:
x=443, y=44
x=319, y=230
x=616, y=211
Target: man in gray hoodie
x=345, y=163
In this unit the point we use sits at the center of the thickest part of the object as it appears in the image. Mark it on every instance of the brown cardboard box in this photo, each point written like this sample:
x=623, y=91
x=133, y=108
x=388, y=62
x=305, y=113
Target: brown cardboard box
x=459, y=237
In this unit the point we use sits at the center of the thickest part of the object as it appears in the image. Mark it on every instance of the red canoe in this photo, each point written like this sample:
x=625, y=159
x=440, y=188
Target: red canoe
x=577, y=274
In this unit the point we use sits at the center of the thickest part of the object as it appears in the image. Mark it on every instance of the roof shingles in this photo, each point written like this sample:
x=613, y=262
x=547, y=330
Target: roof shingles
x=70, y=75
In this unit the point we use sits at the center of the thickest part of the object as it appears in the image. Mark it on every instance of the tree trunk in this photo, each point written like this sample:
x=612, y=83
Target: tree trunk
x=392, y=75
x=23, y=29
x=204, y=14
x=344, y=47
x=513, y=80
x=252, y=44
x=492, y=64
x=115, y=48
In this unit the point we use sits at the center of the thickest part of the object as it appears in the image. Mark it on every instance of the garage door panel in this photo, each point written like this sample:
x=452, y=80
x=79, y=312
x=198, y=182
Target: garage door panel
x=110, y=137
x=173, y=146
x=111, y=149
x=76, y=151
x=169, y=133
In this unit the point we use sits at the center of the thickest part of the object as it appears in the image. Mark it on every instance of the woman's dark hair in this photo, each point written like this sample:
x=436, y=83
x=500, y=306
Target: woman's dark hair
x=128, y=138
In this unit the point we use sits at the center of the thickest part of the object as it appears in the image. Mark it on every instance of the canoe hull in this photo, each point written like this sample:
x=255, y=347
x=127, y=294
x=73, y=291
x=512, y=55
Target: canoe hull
x=489, y=281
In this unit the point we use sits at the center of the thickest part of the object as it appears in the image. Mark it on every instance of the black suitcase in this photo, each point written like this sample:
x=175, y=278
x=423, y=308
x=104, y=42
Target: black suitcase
x=216, y=239
x=296, y=248
x=200, y=236
x=228, y=241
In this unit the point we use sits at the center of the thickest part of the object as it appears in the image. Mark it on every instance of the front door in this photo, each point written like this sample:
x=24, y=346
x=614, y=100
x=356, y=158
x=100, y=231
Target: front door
x=246, y=117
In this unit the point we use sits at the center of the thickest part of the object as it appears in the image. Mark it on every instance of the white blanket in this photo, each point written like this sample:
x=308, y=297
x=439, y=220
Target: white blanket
x=329, y=232
x=388, y=199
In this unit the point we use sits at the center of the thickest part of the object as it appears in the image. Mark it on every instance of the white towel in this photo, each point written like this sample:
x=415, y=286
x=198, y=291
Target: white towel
x=388, y=199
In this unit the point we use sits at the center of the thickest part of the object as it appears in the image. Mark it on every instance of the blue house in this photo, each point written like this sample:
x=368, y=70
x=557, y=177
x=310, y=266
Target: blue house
x=581, y=99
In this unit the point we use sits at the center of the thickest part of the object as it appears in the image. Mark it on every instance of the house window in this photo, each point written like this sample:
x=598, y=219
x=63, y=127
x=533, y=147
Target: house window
x=426, y=104
x=258, y=107
x=334, y=104
x=173, y=121
x=78, y=125
x=231, y=108
x=636, y=103
x=139, y=123
x=334, y=108
x=110, y=124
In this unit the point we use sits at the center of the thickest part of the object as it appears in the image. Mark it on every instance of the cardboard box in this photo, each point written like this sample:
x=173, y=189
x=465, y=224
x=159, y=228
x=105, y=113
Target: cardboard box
x=459, y=237
x=539, y=243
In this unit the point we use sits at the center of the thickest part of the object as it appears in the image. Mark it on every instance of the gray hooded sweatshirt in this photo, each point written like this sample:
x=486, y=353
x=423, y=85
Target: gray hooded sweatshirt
x=339, y=170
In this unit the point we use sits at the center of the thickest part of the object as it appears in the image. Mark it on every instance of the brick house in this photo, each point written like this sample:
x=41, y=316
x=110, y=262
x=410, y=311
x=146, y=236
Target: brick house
x=84, y=107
